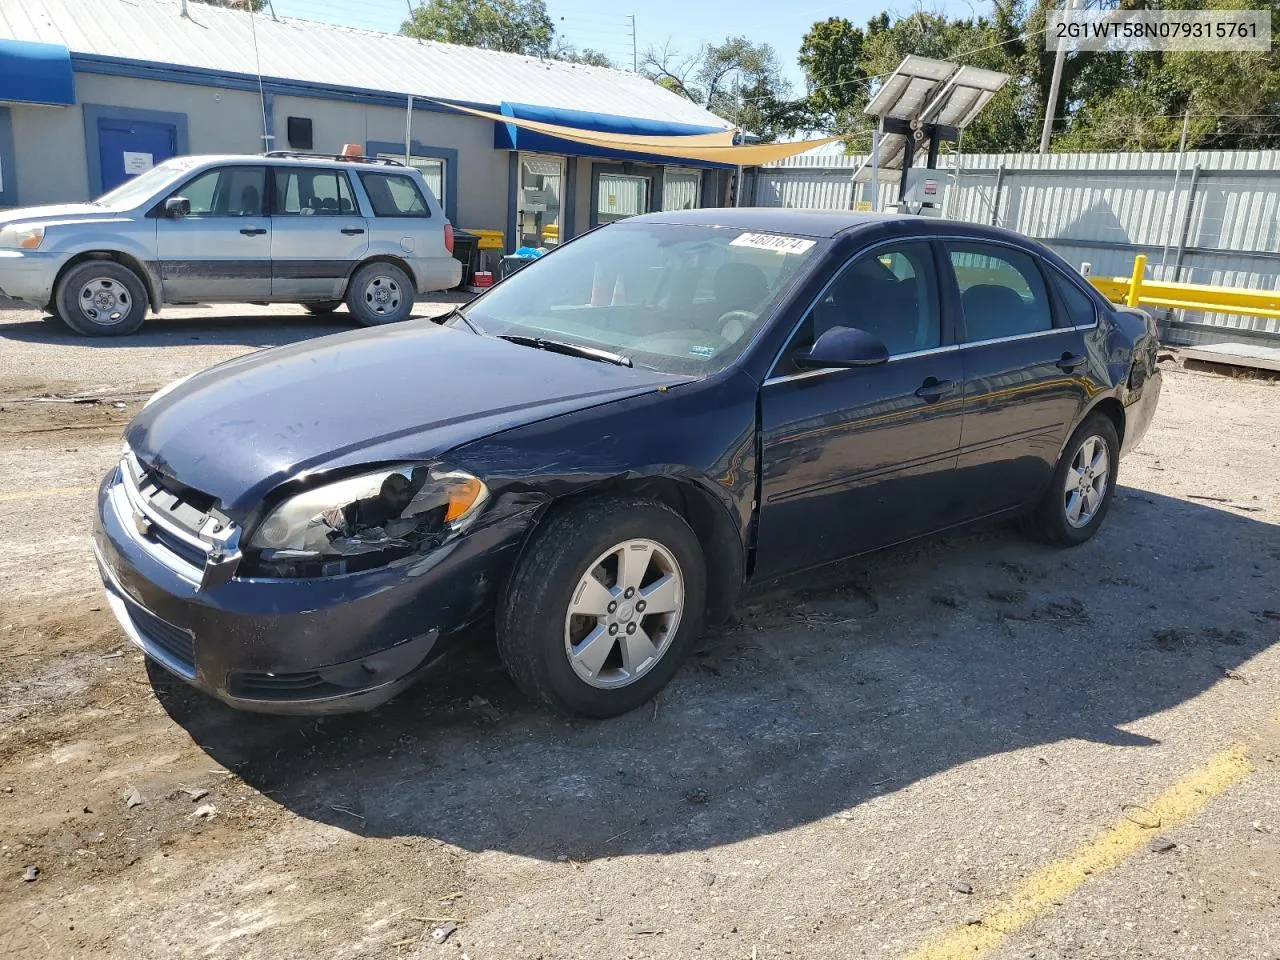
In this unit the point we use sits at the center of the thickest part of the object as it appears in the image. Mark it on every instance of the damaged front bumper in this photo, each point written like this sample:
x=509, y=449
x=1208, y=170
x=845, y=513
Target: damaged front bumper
x=296, y=646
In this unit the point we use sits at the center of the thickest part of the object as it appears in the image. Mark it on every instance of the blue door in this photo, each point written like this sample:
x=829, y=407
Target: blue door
x=130, y=147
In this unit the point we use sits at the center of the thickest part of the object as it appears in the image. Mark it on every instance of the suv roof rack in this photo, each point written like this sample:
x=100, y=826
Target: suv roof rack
x=330, y=157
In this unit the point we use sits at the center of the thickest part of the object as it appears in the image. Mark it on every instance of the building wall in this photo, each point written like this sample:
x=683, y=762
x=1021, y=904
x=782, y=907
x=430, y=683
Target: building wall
x=51, y=157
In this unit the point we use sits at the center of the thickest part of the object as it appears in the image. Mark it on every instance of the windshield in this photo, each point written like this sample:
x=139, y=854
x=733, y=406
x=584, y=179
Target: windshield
x=674, y=297
x=142, y=187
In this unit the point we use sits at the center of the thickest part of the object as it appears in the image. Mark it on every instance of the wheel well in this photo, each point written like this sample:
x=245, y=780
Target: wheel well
x=124, y=259
x=1113, y=409
x=715, y=529
x=386, y=258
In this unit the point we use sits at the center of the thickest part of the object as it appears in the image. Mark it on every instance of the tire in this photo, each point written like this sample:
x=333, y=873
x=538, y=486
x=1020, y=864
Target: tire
x=370, y=285
x=322, y=309
x=537, y=631
x=1051, y=521
x=101, y=298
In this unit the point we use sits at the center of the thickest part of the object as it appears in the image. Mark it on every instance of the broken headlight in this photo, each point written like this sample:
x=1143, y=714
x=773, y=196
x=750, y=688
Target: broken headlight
x=365, y=521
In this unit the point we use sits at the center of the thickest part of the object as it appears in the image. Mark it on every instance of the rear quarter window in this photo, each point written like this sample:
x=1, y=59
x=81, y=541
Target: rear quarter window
x=394, y=195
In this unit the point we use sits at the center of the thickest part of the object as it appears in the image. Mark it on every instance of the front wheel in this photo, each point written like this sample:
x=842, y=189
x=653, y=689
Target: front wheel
x=101, y=298
x=1080, y=493
x=603, y=607
x=380, y=293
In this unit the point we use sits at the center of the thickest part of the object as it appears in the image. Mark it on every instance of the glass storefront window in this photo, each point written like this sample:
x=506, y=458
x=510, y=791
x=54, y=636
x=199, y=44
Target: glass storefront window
x=680, y=188
x=431, y=168
x=539, y=203
x=620, y=195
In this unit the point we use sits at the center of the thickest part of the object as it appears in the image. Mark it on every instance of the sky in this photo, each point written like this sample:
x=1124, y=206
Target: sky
x=686, y=23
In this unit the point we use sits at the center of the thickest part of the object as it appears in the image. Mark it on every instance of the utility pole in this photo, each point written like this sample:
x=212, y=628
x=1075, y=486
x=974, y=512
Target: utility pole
x=634, y=62
x=409, y=5
x=1054, y=84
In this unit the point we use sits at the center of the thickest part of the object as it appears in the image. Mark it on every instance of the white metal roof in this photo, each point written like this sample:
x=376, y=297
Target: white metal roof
x=213, y=38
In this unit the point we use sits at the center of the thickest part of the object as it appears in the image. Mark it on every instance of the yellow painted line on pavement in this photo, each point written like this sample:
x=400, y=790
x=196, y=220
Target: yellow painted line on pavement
x=46, y=492
x=1049, y=886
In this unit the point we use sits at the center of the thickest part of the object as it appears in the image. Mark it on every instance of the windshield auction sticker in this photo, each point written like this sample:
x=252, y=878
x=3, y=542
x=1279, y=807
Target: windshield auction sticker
x=1137, y=31
x=770, y=241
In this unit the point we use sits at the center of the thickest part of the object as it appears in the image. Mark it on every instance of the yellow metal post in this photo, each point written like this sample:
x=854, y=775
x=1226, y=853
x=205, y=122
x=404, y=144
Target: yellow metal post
x=1135, y=281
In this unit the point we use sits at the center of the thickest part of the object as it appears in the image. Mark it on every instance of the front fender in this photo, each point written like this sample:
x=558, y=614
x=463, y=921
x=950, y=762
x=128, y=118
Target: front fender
x=133, y=241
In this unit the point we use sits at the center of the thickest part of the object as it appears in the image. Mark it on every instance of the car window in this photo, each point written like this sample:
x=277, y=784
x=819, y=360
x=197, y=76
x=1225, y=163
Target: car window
x=310, y=193
x=891, y=293
x=1078, y=306
x=1002, y=292
x=394, y=195
x=681, y=298
x=236, y=191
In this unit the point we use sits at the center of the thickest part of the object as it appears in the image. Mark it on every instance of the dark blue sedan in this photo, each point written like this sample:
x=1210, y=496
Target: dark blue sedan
x=600, y=452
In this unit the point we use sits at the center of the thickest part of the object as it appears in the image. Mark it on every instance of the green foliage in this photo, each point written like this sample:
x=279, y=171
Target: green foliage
x=513, y=26
x=247, y=5
x=1107, y=101
x=738, y=80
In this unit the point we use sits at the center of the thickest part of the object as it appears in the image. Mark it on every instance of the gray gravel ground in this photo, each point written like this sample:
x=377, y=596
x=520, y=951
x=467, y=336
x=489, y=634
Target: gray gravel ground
x=863, y=760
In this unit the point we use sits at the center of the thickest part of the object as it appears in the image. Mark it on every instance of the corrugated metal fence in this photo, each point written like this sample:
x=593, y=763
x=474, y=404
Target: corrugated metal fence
x=1202, y=217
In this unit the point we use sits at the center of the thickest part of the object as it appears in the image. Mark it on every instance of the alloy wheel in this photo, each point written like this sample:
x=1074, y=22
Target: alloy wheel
x=624, y=613
x=105, y=302
x=1086, y=482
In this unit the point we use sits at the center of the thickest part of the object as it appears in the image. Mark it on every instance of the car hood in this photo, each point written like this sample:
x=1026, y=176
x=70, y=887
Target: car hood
x=58, y=213
x=409, y=391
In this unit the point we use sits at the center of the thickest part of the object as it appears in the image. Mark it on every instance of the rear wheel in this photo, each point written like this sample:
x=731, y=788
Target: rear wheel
x=603, y=606
x=380, y=293
x=101, y=298
x=1080, y=493
x=323, y=308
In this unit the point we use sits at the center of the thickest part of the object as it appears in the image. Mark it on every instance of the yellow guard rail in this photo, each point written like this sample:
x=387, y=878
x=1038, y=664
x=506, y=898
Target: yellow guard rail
x=1137, y=291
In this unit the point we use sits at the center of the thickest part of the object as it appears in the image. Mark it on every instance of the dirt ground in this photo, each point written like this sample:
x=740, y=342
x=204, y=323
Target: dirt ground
x=969, y=746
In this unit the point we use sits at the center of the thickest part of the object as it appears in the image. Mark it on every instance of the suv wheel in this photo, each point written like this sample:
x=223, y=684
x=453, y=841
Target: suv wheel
x=101, y=298
x=322, y=309
x=380, y=293
x=603, y=607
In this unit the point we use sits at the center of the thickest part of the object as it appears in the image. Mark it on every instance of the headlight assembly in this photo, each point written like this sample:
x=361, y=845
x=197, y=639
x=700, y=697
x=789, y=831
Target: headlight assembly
x=22, y=236
x=365, y=521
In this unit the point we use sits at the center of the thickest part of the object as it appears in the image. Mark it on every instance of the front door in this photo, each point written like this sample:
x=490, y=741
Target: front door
x=1026, y=378
x=222, y=249
x=854, y=459
x=540, y=202
x=317, y=233
x=127, y=148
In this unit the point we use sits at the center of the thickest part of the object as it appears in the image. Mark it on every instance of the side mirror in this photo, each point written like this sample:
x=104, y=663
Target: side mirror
x=844, y=347
x=177, y=207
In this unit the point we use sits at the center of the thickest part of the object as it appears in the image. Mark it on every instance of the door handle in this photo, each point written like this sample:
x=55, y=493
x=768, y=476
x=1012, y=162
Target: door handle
x=933, y=389
x=352, y=231
x=254, y=231
x=1070, y=361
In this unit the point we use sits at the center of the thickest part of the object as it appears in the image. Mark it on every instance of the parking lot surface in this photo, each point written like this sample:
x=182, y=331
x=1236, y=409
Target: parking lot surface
x=967, y=746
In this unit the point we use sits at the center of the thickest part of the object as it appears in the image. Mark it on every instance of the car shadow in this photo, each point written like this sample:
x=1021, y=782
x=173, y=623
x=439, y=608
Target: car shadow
x=204, y=323
x=823, y=693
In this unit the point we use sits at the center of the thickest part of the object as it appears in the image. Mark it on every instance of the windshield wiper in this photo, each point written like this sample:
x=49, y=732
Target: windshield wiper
x=457, y=312
x=571, y=349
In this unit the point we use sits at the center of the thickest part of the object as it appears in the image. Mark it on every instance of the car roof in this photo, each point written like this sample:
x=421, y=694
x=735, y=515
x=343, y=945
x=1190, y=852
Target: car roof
x=831, y=223
x=293, y=160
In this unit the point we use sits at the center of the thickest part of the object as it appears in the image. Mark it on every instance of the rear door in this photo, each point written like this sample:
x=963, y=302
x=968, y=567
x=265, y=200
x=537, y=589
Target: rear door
x=222, y=249
x=854, y=459
x=1027, y=374
x=318, y=233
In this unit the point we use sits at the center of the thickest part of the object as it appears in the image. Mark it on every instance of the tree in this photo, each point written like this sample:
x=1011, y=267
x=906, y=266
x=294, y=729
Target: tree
x=571, y=54
x=513, y=26
x=738, y=80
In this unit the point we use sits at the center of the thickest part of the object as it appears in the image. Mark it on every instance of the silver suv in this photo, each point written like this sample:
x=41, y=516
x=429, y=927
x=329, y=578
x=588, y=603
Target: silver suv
x=276, y=228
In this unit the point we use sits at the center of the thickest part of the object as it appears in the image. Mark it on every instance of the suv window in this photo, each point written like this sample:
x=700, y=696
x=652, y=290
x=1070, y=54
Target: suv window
x=394, y=195
x=1078, y=306
x=891, y=293
x=312, y=193
x=236, y=191
x=1002, y=293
